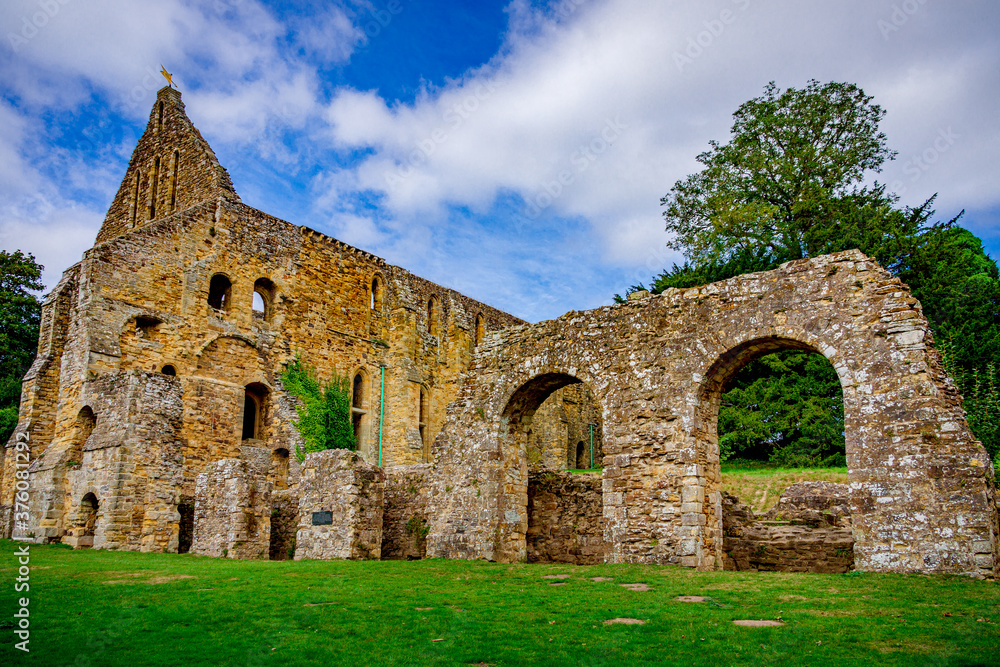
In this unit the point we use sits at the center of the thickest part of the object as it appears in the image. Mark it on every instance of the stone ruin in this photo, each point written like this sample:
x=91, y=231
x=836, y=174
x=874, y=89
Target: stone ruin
x=154, y=417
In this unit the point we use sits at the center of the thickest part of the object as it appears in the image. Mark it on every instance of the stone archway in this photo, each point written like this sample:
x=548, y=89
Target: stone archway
x=921, y=486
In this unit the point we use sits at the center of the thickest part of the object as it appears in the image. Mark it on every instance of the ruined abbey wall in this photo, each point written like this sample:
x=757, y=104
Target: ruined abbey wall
x=164, y=302
x=922, y=496
x=155, y=413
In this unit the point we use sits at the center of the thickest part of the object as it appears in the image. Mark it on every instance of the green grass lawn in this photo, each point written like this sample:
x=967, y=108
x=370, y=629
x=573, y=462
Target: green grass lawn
x=124, y=608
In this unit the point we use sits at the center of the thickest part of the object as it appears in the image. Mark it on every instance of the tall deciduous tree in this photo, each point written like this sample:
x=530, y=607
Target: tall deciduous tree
x=20, y=314
x=795, y=156
x=791, y=184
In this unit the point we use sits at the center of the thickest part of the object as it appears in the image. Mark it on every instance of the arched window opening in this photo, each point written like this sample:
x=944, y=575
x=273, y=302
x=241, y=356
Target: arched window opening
x=376, y=295
x=145, y=326
x=173, y=179
x=422, y=421
x=86, y=420
x=547, y=426
x=263, y=298
x=254, y=411
x=359, y=412
x=480, y=329
x=159, y=118
x=279, y=468
x=169, y=370
x=432, y=316
x=154, y=180
x=135, y=201
x=88, y=521
x=219, y=291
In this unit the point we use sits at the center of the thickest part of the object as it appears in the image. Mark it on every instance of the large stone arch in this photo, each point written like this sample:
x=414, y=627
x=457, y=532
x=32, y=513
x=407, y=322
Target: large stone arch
x=921, y=486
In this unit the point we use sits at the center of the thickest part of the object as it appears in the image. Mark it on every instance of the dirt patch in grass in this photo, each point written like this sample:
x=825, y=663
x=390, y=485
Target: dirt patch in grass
x=758, y=624
x=636, y=587
x=164, y=579
x=624, y=621
x=556, y=576
x=170, y=577
x=690, y=598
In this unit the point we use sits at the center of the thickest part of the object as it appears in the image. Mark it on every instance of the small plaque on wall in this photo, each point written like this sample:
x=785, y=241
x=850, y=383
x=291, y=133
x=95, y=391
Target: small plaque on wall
x=322, y=518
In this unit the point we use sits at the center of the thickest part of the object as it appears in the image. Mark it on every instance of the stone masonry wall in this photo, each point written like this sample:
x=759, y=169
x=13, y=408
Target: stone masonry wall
x=565, y=518
x=405, y=521
x=798, y=535
x=338, y=481
x=139, y=302
x=232, y=512
x=922, y=495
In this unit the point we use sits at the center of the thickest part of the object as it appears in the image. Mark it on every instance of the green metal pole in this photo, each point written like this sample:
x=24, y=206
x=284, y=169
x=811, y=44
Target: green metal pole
x=381, y=415
x=591, y=446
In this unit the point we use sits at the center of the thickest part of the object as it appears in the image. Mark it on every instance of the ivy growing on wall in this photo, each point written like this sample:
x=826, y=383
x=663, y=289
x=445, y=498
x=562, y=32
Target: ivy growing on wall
x=324, y=410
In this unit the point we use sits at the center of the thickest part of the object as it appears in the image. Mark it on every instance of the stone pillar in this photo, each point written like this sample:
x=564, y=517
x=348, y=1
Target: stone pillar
x=232, y=511
x=340, y=507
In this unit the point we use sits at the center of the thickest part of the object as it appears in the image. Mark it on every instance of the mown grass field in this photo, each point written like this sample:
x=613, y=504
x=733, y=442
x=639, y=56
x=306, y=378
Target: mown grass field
x=123, y=608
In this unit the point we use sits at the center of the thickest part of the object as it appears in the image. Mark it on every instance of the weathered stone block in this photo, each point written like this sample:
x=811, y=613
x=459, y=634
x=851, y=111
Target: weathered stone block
x=336, y=485
x=232, y=511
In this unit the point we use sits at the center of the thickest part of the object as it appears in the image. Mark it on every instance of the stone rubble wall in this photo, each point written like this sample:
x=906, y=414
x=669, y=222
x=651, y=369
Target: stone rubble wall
x=138, y=302
x=340, y=482
x=405, y=520
x=922, y=494
x=232, y=513
x=565, y=517
x=809, y=530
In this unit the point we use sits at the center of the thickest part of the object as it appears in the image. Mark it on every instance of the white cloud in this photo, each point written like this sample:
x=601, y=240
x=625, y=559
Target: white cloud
x=596, y=113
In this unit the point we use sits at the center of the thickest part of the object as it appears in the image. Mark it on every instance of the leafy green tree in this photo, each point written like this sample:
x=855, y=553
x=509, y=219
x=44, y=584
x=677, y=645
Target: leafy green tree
x=791, y=184
x=20, y=315
x=324, y=410
x=796, y=157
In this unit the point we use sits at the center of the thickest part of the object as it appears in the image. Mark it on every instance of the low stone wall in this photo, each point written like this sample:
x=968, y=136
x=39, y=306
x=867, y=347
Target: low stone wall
x=565, y=518
x=284, y=523
x=809, y=530
x=232, y=511
x=405, y=522
x=340, y=507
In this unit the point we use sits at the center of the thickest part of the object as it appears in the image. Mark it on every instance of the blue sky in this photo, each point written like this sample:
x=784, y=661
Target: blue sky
x=515, y=151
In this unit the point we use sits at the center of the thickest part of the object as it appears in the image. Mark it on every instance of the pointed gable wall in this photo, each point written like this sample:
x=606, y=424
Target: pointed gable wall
x=172, y=169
